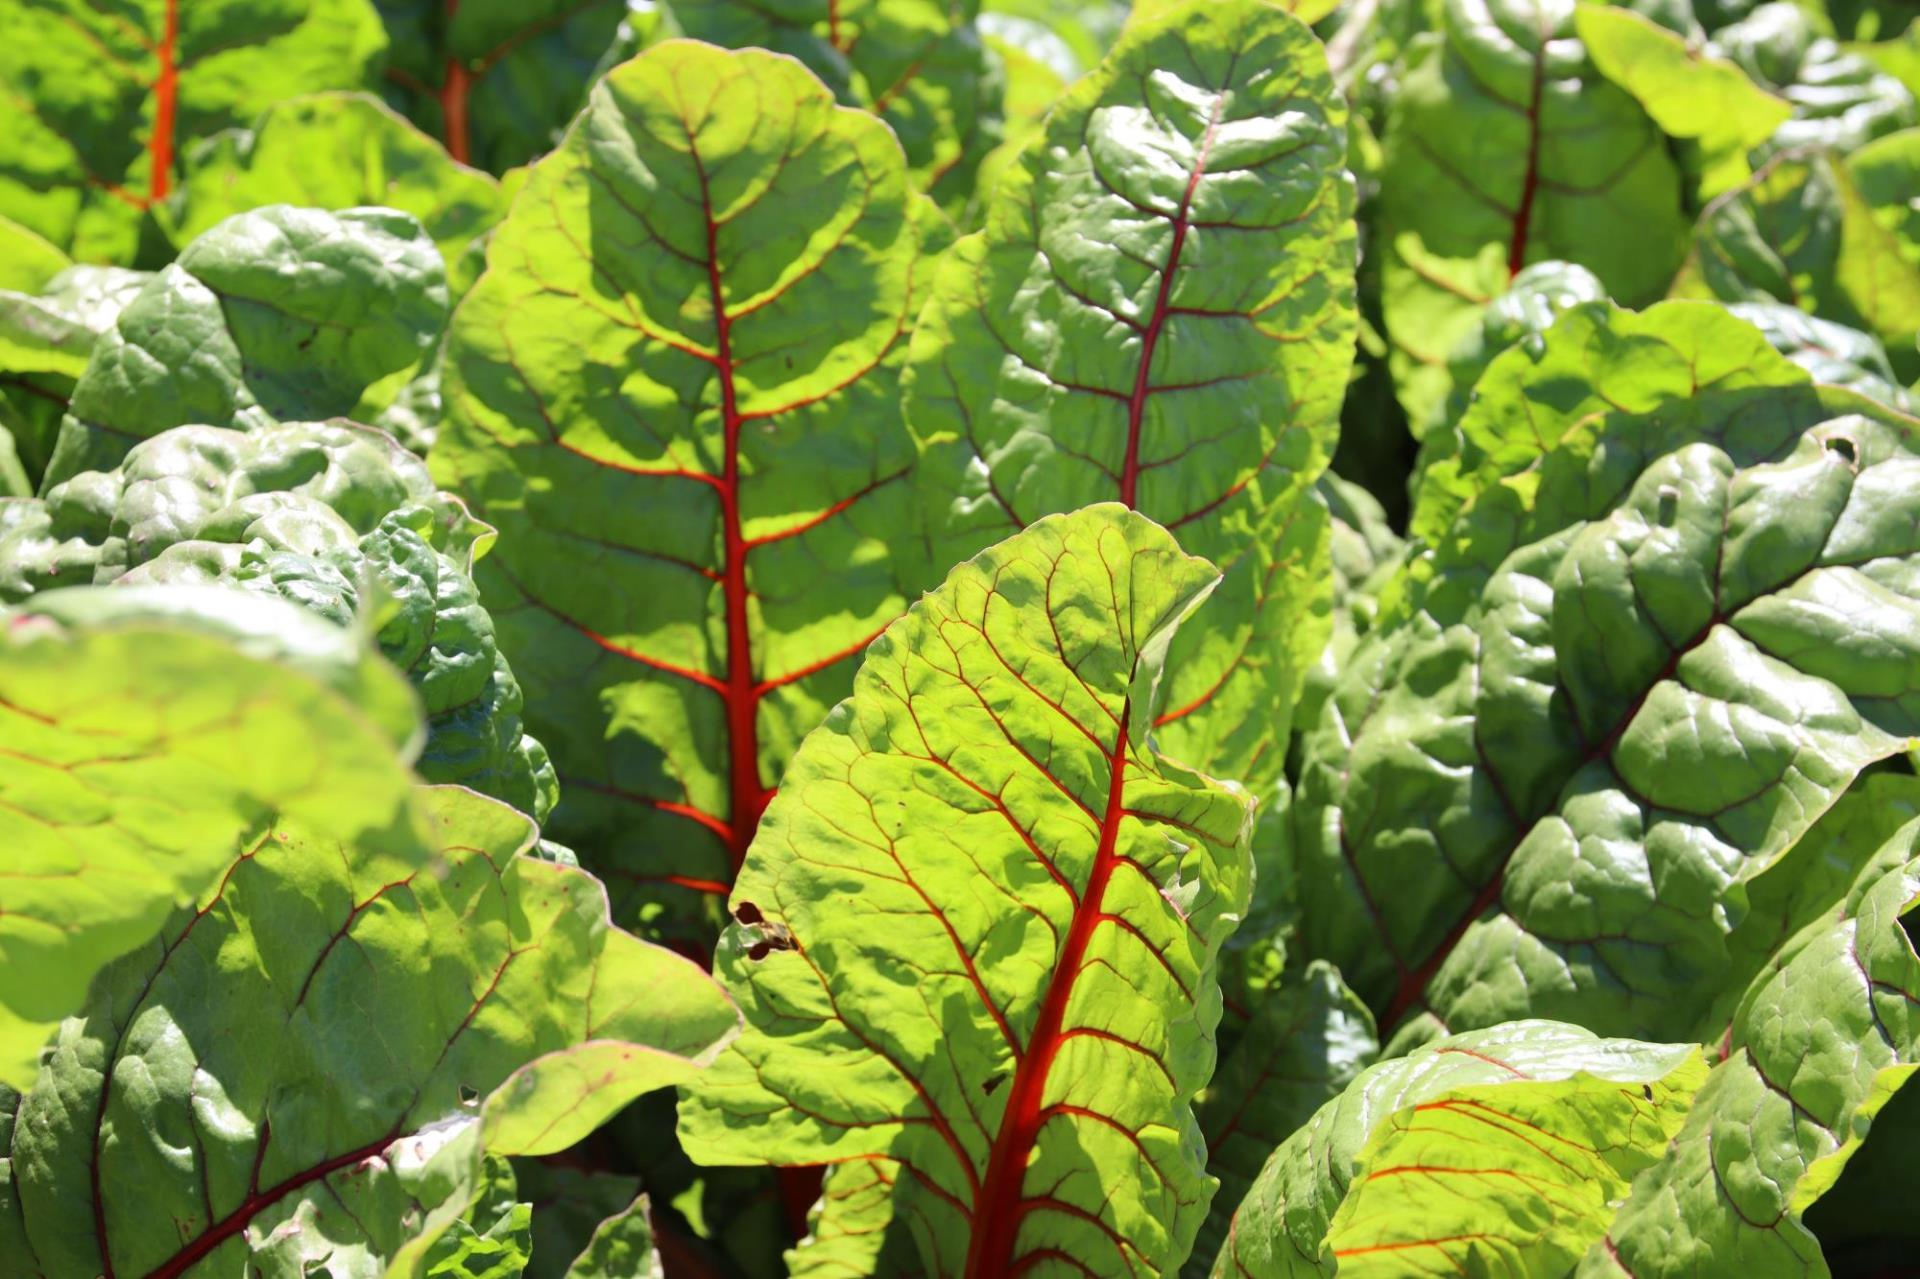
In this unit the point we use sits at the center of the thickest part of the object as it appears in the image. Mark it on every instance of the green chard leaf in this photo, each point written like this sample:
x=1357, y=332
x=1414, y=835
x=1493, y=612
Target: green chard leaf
x=1831, y=353
x=27, y=260
x=104, y=100
x=46, y=338
x=1364, y=553
x=279, y=314
x=146, y=731
x=1677, y=612
x=1160, y=309
x=1827, y=1029
x=1504, y=146
x=339, y=151
x=331, y=516
x=1840, y=99
x=674, y=390
x=917, y=64
x=1495, y=1152
x=621, y=1248
x=975, y=936
x=497, y=80
x=310, y=1064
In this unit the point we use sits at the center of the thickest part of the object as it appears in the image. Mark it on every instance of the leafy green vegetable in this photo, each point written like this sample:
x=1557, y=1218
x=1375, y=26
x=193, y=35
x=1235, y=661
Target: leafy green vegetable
x=45, y=339
x=622, y=1248
x=1495, y=1152
x=145, y=732
x=279, y=314
x=975, y=935
x=673, y=391
x=1192, y=373
x=1839, y=99
x=1670, y=623
x=1831, y=353
x=105, y=99
x=330, y=516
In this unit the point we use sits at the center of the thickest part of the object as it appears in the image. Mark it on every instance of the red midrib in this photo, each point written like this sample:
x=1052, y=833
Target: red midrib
x=166, y=93
x=256, y=1203
x=996, y=1215
x=1163, y=299
x=454, y=88
x=1530, y=181
x=741, y=691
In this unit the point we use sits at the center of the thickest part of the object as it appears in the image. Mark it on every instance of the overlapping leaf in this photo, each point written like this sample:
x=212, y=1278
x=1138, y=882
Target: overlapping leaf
x=1160, y=310
x=674, y=391
x=140, y=752
x=1495, y=1152
x=1827, y=1029
x=1839, y=99
x=1505, y=146
x=46, y=337
x=1831, y=353
x=102, y=101
x=338, y=151
x=280, y=314
x=284, y=1077
x=975, y=936
x=333, y=517
x=1672, y=623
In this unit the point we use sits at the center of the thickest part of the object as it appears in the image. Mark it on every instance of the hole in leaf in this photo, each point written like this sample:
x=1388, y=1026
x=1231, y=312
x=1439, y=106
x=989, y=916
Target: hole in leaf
x=1669, y=505
x=748, y=914
x=1845, y=448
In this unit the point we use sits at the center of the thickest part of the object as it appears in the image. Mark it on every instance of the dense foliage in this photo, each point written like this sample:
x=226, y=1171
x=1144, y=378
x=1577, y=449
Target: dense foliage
x=958, y=637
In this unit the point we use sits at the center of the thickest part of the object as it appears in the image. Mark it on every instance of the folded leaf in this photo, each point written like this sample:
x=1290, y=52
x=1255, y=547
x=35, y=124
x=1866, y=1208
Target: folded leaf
x=1496, y=1152
x=339, y=151
x=975, y=935
x=1504, y=145
x=673, y=391
x=280, y=314
x=146, y=731
x=282, y=1079
x=1659, y=640
x=331, y=516
x=104, y=100
x=46, y=338
x=1827, y=1030
x=1160, y=311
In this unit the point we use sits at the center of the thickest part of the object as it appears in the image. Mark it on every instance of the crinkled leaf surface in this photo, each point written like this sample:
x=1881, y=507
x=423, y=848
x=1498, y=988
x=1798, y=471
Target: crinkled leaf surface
x=339, y=151
x=142, y=748
x=1160, y=310
x=1631, y=674
x=1831, y=353
x=1839, y=98
x=46, y=338
x=282, y=1079
x=280, y=314
x=497, y=80
x=675, y=393
x=1304, y=1044
x=102, y=100
x=331, y=516
x=917, y=64
x=1828, y=1029
x=975, y=935
x=1504, y=145
x=1364, y=551
x=1490, y=1153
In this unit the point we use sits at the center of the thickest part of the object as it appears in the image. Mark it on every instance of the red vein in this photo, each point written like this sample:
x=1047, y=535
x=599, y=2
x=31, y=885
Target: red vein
x=996, y=1215
x=1530, y=183
x=454, y=89
x=1150, y=337
x=166, y=92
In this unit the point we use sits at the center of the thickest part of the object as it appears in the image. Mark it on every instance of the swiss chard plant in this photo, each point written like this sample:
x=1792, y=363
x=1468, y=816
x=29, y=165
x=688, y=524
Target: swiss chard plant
x=715, y=639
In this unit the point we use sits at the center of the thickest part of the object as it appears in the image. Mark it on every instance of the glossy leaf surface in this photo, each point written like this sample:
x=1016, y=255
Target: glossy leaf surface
x=975, y=936
x=1839, y=98
x=46, y=337
x=280, y=314
x=1160, y=311
x=140, y=751
x=674, y=393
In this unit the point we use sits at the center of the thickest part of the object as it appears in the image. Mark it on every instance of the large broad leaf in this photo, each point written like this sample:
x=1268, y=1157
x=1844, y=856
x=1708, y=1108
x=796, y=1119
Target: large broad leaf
x=497, y=80
x=285, y=1078
x=46, y=338
x=975, y=936
x=1160, y=310
x=145, y=733
x=331, y=516
x=1831, y=353
x=27, y=259
x=1493, y=1153
x=917, y=64
x=339, y=151
x=1827, y=1029
x=102, y=101
x=1655, y=644
x=281, y=314
x=1839, y=98
x=1505, y=146
x=675, y=393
